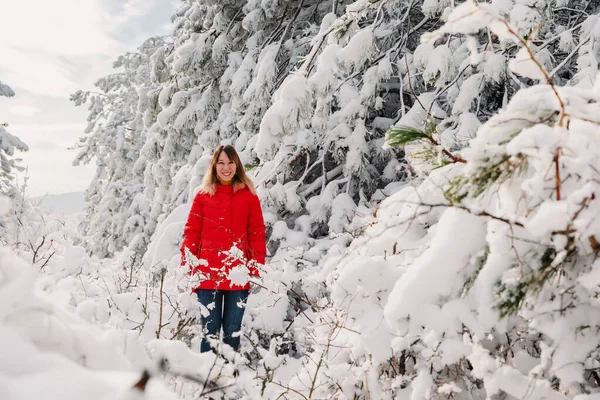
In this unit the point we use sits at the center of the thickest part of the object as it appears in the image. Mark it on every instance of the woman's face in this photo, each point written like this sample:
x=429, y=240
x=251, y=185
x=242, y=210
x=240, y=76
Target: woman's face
x=225, y=167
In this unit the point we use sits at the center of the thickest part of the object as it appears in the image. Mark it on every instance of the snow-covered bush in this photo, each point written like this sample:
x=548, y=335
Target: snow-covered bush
x=49, y=347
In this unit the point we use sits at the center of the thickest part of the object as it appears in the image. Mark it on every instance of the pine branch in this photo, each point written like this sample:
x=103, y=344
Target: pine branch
x=347, y=19
x=403, y=135
x=233, y=20
x=567, y=58
x=289, y=24
x=311, y=187
x=412, y=91
x=448, y=86
x=541, y=68
x=552, y=39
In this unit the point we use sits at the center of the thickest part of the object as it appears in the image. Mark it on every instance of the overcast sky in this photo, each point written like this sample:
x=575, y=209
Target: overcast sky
x=50, y=49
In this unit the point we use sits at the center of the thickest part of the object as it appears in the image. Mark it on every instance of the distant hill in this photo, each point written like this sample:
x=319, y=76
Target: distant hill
x=66, y=203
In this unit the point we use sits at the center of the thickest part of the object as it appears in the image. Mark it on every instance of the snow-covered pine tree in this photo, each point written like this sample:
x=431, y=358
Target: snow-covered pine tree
x=496, y=253
x=8, y=145
x=117, y=212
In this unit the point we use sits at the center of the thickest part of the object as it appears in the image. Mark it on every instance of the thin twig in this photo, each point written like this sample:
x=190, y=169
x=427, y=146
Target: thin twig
x=233, y=20
x=208, y=377
x=35, y=251
x=557, y=172
x=476, y=213
x=160, y=312
x=289, y=25
x=314, y=379
x=288, y=388
x=541, y=68
x=182, y=326
x=567, y=58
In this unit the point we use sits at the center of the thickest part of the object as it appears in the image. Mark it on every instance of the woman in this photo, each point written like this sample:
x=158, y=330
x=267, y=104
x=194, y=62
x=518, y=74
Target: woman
x=225, y=214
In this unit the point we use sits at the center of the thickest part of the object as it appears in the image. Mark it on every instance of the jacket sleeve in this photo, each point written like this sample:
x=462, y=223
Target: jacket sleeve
x=257, y=247
x=193, y=229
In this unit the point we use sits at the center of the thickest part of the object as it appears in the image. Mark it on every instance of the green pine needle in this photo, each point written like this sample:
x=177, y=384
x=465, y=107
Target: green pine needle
x=403, y=135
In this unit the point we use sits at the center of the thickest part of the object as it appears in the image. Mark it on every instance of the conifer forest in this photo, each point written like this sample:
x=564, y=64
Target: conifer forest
x=429, y=176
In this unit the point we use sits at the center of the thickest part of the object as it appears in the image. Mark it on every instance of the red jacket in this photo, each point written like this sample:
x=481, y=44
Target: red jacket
x=215, y=224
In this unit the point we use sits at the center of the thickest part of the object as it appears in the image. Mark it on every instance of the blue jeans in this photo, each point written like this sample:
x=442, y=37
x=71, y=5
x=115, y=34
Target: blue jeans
x=227, y=313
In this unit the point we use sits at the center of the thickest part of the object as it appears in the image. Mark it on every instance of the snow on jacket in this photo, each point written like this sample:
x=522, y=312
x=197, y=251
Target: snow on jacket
x=216, y=223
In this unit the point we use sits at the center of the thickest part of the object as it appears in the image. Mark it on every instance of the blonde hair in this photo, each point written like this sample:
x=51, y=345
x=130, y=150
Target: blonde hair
x=240, y=179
